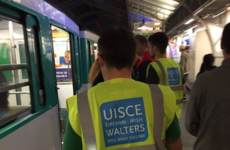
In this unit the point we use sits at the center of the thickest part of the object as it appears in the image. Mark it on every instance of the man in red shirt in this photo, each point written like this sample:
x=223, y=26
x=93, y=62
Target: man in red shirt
x=139, y=70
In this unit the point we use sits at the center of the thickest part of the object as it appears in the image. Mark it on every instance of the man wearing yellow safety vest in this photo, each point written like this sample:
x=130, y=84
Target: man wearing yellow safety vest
x=165, y=71
x=122, y=113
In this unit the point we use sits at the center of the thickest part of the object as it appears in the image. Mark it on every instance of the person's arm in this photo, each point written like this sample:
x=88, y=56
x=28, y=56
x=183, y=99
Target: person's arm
x=173, y=136
x=183, y=82
x=192, y=119
x=151, y=75
x=174, y=144
x=182, y=61
x=72, y=141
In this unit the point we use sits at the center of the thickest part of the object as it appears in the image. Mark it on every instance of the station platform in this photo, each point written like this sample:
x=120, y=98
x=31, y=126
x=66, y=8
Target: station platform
x=187, y=139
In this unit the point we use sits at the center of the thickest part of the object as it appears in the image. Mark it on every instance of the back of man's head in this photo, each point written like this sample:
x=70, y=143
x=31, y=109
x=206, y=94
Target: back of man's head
x=117, y=47
x=141, y=39
x=160, y=40
x=226, y=38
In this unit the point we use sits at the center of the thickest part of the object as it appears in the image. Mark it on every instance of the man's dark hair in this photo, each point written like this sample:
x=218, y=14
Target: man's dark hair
x=226, y=38
x=117, y=47
x=160, y=40
x=141, y=39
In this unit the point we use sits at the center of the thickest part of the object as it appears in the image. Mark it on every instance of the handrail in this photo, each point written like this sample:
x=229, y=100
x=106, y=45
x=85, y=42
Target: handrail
x=14, y=86
x=12, y=67
x=20, y=92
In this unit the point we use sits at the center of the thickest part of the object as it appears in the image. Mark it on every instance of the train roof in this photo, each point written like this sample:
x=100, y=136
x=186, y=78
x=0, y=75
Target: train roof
x=46, y=9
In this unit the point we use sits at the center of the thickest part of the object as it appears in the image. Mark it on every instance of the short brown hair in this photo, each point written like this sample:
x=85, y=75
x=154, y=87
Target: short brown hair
x=117, y=47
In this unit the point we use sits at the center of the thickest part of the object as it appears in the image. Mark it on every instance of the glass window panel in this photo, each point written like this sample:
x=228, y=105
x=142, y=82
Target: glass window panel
x=14, y=101
x=8, y=77
x=12, y=51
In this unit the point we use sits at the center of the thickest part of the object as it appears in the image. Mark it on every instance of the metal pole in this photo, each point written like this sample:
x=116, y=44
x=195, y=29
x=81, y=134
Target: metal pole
x=138, y=10
x=132, y=15
x=14, y=61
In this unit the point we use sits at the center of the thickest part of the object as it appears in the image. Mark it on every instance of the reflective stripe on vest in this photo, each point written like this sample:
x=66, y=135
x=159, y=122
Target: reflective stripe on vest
x=174, y=88
x=88, y=128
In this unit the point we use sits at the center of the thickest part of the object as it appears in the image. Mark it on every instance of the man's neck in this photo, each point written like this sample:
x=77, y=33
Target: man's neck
x=158, y=56
x=114, y=73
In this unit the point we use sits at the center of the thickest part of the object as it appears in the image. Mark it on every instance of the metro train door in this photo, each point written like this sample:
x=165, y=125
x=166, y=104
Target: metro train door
x=91, y=53
x=63, y=58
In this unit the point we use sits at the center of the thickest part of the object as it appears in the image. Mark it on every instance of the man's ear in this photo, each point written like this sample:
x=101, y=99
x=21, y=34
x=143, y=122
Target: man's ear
x=155, y=49
x=101, y=61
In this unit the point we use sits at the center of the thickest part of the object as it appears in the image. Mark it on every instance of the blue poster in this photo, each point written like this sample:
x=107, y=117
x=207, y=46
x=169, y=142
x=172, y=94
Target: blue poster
x=173, y=76
x=63, y=74
x=124, y=121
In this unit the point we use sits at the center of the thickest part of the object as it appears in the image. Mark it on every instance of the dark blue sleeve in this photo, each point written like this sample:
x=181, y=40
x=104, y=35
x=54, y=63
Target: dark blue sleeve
x=152, y=76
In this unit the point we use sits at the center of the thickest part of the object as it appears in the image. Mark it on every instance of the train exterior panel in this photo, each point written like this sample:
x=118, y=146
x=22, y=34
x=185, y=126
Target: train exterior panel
x=42, y=92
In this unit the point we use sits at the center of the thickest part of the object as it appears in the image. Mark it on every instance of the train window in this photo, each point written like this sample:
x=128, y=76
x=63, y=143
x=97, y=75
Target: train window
x=14, y=82
x=62, y=55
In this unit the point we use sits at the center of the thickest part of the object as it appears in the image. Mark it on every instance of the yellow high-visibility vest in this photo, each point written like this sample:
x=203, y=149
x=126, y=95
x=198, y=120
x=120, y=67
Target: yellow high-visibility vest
x=170, y=74
x=122, y=113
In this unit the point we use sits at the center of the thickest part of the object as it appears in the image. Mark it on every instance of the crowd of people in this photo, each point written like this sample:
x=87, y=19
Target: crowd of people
x=137, y=95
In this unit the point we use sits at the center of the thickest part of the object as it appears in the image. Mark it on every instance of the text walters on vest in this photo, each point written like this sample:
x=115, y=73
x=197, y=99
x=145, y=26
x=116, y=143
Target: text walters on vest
x=124, y=121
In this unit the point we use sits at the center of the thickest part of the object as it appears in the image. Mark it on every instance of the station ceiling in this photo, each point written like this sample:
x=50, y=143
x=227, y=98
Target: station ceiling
x=97, y=15
x=94, y=15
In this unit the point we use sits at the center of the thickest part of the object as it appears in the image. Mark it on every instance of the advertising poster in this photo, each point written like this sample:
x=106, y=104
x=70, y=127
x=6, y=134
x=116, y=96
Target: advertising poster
x=172, y=49
x=186, y=40
x=62, y=61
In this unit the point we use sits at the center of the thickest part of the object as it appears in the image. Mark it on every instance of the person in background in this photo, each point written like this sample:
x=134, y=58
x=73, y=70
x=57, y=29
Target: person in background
x=183, y=58
x=208, y=113
x=165, y=71
x=139, y=69
x=95, y=75
x=67, y=57
x=208, y=64
x=3, y=96
x=184, y=65
x=121, y=113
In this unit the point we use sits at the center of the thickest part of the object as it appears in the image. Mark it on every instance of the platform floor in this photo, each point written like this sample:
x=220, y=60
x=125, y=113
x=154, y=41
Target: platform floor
x=187, y=139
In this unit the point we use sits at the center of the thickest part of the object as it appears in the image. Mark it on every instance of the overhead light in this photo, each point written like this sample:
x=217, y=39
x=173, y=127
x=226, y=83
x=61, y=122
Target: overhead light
x=198, y=11
x=157, y=23
x=168, y=7
x=172, y=1
x=95, y=44
x=144, y=27
x=194, y=26
x=218, y=14
x=150, y=29
x=188, y=22
x=228, y=8
x=157, y=28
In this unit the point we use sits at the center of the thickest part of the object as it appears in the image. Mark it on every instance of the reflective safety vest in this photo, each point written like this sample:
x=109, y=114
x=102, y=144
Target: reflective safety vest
x=123, y=114
x=170, y=74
